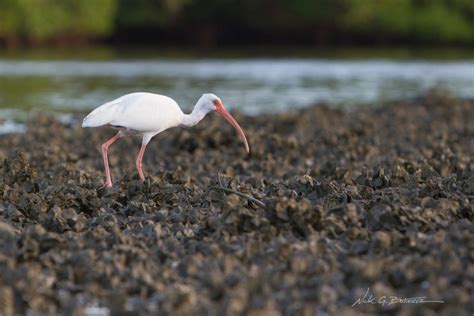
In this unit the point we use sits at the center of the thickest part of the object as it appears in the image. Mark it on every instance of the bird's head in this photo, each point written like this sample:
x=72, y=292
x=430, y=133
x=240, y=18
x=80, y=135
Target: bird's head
x=210, y=102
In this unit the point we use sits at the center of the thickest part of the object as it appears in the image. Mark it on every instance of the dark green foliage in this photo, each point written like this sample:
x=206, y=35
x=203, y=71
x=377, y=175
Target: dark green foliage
x=229, y=21
x=439, y=21
x=39, y=20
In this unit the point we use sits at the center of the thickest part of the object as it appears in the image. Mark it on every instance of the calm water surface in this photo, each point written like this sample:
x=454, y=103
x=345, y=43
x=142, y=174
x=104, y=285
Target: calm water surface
x=250, y=85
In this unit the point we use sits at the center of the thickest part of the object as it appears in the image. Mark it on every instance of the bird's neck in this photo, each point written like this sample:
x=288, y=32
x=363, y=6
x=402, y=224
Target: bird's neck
x=194, y=117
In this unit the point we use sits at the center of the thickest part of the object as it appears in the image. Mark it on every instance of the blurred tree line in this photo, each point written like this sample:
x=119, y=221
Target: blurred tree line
x=210, y=23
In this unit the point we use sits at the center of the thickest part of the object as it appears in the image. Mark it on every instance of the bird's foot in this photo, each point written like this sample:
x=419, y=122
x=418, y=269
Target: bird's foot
x=107, y=184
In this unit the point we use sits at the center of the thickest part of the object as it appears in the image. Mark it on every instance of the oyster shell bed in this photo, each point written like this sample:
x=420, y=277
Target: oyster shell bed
x=380, y=198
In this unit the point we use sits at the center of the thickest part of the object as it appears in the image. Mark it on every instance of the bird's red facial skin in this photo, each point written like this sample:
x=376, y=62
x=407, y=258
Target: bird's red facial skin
x=218, y=104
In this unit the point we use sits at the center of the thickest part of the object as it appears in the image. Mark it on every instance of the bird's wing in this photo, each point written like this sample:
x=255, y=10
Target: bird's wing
x=139, y=111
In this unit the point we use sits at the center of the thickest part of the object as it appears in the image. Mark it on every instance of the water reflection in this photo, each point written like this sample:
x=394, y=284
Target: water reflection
x=252, y=85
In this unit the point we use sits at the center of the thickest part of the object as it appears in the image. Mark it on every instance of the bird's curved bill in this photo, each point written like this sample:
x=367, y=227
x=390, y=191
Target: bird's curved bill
x=222, y=111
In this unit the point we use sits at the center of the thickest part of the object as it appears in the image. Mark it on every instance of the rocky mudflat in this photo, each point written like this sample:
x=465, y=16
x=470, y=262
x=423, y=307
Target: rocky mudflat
x=333, y=203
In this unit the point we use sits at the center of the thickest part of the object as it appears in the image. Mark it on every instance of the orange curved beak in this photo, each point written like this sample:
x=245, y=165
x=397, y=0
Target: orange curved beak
x=222, y=111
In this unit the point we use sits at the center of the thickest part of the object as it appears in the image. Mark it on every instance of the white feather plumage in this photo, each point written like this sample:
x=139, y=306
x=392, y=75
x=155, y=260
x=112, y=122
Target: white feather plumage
x=141, y=112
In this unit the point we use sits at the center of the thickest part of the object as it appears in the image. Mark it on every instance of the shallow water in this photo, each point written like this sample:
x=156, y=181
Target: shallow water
x=252, y=85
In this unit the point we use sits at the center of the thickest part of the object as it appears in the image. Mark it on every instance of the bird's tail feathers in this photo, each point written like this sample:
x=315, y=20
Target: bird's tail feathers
x=92, y=120
x=98, y=117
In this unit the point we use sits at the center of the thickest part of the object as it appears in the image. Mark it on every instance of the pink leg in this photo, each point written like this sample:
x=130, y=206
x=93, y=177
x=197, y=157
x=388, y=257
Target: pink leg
x=139, y=162
x=105, y=148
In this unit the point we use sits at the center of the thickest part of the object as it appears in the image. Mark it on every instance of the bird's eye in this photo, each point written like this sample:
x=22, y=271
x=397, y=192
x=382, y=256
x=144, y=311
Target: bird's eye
x=215, y=102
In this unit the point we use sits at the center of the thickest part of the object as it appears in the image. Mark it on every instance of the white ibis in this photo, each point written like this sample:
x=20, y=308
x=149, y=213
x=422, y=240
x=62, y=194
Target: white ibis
x=148, y=114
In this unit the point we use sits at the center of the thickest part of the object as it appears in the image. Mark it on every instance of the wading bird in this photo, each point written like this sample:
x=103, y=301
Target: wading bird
x=148, y=114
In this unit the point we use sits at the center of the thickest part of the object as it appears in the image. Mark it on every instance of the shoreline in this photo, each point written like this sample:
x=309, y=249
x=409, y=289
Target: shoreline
x=17, y=123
